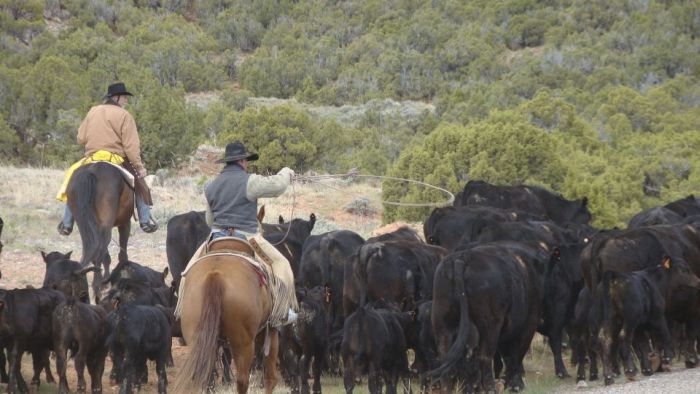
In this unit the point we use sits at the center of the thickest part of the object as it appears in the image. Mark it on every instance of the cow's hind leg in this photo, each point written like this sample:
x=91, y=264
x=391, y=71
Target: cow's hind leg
x=61, y=366
x=96, y=367
x=79, y=361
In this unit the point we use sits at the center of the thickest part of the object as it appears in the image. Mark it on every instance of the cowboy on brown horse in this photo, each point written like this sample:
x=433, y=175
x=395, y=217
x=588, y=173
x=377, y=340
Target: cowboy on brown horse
x=109, y=133
x=232, y=205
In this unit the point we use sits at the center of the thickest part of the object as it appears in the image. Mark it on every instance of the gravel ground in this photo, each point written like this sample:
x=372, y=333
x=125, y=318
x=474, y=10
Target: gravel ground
x=679, y=380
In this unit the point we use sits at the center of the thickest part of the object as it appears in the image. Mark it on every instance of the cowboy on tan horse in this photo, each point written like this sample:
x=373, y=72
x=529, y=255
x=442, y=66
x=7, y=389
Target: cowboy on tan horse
x=232, y=199
x=109, y=133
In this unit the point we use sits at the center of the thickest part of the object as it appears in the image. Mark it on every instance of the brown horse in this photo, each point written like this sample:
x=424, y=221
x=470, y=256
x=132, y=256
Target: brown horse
x=224, y=297
x=100, y=199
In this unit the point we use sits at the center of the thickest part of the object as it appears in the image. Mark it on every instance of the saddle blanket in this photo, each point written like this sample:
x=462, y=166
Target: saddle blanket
x=102, y=156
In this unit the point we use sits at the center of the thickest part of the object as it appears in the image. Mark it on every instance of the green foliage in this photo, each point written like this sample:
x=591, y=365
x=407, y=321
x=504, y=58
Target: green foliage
x=277, y=134
x=169, y=129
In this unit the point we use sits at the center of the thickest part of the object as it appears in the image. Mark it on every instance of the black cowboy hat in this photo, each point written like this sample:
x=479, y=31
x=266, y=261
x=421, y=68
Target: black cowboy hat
x=117, y=89
x=236, y=151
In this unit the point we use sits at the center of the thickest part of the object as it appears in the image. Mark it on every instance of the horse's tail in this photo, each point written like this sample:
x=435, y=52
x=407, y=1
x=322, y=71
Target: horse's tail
x=201, y=360
x=86, y=190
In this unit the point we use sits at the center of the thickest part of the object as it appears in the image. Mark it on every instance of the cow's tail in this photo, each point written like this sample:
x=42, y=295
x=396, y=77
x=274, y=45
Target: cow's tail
x=85, y=194
x=365, y=253
x=606, y=301
x=201, y=360
x=459, y=350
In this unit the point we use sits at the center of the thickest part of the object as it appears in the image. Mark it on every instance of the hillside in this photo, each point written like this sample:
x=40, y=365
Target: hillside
x=589, y=98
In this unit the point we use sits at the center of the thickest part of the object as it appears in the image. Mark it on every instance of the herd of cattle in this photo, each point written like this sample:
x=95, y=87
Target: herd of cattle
x=501, y=264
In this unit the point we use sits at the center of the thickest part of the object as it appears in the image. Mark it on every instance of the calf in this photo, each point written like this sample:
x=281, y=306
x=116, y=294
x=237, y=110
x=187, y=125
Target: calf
x=137, y=333
x=137, y=272
x=374, y=342
x=633, y=300
x=25, y=319
x=324, y=262
x=80, y=328
x=311, y=331
x=66, y=275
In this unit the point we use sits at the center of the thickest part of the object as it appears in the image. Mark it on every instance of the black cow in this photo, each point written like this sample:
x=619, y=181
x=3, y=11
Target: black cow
x=654, y=216
x=324, y=262
x=399, y=271
x=137, y=333
x=534, y=199
x=401, y=233
x=422, y=341
x=308, y=338
x=82, y=329
x=562, y=287
x=134, y=292
x=685, y=207
x=66, y=276
x=547, y=232
x=487, y=301
x=25, y=320
x=186, y=232
x=374, y=343
x=450, y=227
x=633, y=300
x=289, y=237
x=135, y=271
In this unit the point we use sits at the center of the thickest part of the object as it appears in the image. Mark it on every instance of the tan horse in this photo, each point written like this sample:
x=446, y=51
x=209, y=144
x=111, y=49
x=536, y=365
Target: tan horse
x=224, y=297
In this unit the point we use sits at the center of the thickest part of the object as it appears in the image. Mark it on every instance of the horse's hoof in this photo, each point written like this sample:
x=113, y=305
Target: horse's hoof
x=609, y=380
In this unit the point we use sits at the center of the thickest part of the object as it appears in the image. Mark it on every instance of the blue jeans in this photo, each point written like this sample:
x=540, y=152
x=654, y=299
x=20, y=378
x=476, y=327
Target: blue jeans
x=227, y=233
x=143, y=209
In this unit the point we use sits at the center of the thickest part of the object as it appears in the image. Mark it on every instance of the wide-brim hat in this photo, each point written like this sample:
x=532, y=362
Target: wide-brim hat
x=117, y=89
x=236, y=151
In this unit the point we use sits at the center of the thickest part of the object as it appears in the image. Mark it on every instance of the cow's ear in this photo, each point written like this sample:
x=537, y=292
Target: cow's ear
x=666, y=263
x=584, y=202
x=312, y=218
x=43, y=256
x=68, y=255
x=280, y=220
x=165, y=273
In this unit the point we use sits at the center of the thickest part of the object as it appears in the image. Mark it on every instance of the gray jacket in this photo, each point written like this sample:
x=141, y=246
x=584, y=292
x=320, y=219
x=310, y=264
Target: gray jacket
x=232, y=197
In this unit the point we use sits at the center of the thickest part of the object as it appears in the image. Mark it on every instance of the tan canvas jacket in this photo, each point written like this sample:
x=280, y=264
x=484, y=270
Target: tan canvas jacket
x=112, y=128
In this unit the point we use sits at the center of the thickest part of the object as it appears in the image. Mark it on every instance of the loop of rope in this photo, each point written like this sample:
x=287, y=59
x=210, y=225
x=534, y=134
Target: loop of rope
x=318, y=178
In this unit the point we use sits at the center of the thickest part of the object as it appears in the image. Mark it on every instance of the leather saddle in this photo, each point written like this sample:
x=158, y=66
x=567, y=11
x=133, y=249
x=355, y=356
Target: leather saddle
x=230, y=244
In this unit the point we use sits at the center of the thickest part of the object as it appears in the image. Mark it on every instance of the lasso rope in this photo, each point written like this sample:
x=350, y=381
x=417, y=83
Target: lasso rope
x=318, y=179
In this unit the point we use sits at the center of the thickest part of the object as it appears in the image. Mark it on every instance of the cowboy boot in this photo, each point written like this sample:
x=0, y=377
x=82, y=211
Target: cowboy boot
x=146, y=221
